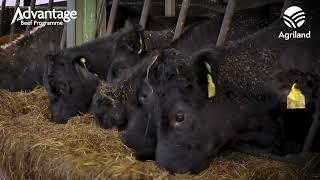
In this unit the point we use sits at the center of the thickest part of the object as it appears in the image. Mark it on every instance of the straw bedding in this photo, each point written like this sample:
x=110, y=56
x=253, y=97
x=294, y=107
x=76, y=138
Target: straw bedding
x=32, y=147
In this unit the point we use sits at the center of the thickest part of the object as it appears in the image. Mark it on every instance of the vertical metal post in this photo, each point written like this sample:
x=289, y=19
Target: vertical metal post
x=113, y=15
x=89, y=20
x=103, y=24
x=170, y=8
x=3, y=8
x=33, y=6
x=79, y=22
x=226, y=22
x=50, y=5
x=26, y=2
x=71, y=30
x=311, y=136
x=286, y=4
x=100, y=22
x=182, y=18
x=13, y=26
x=145, y=13
x=315, y=126
x=63, y=37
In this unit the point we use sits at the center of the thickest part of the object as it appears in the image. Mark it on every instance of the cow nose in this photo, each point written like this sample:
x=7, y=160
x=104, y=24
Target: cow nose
x=59, y=119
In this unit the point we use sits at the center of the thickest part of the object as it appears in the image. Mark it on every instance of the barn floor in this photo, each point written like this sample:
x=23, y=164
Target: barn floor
x=31, y=147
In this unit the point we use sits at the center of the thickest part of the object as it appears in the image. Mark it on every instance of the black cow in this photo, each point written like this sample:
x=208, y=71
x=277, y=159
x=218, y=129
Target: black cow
x=70, y=91
x=70, y=95
x=22, y=62
x=198, y=36
x=190, y=128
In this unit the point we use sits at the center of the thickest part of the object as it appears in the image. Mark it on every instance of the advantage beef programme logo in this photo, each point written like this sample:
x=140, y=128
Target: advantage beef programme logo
x=294, y=17
x=43, y=18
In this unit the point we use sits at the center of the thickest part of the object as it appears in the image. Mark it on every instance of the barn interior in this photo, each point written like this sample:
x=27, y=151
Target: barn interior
x=34, y=147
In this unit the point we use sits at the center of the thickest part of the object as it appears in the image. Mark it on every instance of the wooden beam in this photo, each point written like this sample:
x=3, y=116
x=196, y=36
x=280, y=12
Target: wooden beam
x=33, y=6
x=182, y=18
x=89, y=20
x=145, y=13
x=71, y=30
x=113, y=15
x=3, y=8
x=226, y=22
x=170, y=8
x=13, y=26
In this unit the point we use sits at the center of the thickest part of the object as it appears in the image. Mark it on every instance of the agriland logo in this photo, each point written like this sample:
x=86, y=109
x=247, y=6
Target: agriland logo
x=33, y=17
x=294, y=17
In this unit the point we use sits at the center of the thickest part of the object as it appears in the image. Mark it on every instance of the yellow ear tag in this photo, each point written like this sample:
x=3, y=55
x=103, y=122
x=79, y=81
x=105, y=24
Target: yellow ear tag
x=211, y=85
x=141, y=45
x=83, y=61
x=295, y=99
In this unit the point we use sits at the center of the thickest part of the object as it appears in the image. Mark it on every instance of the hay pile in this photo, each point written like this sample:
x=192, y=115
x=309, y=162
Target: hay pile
x=31, y=147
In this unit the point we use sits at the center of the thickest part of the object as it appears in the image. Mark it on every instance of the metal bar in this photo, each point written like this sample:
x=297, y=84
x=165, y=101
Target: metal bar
x=315, y=126
x=3, y=8
x=63, y=37
x=226, y=22
x=286, y=4
x=182, y=18
x=145, y=13
x=79, y=22
x=311, y=135
x=13, y=26
x=103, y=24
x=113, y=14
x=170, y=8
x=50, y=5
x=71, y=25
x=89, y=20
x=101, y=9
x=33, y=6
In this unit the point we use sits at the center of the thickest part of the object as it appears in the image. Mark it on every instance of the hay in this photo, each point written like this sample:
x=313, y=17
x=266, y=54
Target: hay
x=32, y=147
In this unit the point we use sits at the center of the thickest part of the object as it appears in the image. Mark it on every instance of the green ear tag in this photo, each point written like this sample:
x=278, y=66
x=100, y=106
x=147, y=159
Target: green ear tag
x=295, y=99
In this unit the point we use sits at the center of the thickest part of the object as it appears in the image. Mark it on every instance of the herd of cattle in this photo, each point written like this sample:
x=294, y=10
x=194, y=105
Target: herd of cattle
x=184, y=101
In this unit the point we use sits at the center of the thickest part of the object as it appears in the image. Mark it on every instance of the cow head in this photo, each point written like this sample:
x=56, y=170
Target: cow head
x=198, y=117
x=108, y=105
x=72, y=74
x=70, y=85
x=144, y=118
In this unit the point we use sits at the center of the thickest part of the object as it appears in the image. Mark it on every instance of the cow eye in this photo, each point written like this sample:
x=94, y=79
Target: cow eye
x=179, y=117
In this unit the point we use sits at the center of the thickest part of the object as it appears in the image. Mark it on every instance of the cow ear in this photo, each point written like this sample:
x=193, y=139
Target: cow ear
x=206, y=63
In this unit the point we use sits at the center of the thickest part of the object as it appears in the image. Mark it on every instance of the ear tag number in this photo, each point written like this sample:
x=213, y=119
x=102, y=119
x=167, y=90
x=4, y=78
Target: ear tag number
x=295, y=99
